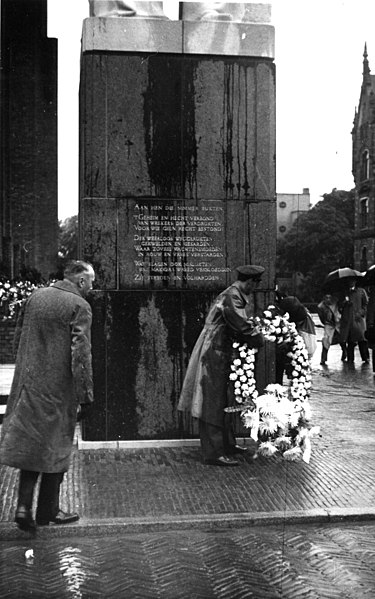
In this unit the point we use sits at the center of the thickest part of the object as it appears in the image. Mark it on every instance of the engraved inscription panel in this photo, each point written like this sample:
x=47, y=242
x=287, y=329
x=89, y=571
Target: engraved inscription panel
x=172, y=243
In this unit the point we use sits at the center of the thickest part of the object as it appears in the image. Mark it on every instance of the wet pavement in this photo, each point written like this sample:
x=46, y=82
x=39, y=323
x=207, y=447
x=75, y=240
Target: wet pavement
x=156, y=522
x=288, y=562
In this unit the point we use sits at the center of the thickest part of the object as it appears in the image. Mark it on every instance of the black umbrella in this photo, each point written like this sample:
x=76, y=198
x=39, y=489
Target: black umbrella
x=369, y=278
x=337, y=279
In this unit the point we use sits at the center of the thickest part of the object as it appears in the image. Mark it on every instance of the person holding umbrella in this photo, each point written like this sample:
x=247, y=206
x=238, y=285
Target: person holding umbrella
x=352, y=304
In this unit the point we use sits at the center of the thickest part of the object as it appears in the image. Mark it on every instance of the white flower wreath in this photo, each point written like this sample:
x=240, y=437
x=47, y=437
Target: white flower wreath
x=278, y=419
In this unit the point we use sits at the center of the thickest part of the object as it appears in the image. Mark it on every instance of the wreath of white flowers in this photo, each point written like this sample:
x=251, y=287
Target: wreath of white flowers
x=278, y=419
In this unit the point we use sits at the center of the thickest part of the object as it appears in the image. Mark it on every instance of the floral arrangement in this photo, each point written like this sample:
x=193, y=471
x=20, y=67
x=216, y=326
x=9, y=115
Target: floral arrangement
x=278, y=419
x=12, y=296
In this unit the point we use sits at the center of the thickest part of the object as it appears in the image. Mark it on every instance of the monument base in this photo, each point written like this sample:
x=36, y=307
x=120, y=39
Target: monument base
x=177, y=188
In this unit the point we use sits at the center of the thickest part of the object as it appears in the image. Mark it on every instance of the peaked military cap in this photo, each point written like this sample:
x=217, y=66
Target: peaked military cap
x=249, y=271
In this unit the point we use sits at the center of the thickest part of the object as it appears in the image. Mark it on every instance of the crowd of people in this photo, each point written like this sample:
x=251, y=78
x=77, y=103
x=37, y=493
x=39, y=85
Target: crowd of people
x=348, y=318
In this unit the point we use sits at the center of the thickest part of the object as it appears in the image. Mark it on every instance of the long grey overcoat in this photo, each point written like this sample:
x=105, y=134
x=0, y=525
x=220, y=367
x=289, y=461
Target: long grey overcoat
x=53, y=374
x=205, y=389
x=353, y=306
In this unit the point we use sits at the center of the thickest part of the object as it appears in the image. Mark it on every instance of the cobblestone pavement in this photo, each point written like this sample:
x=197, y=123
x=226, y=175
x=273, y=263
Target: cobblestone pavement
x=288, y=562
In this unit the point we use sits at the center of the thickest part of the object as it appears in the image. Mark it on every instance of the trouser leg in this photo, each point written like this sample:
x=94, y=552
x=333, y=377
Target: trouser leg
x=49, y=495
x=26, y=487
x=324, y=356
x=229, y=438
x=363, y=350
x=350, y=351
x=344, y=352
x=212, y=441
x=215, y=440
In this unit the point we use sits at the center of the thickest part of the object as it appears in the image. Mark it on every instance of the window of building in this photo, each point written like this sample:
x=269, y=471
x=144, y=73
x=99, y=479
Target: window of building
x=282, y=204
x=365, y=165
x=364, y=212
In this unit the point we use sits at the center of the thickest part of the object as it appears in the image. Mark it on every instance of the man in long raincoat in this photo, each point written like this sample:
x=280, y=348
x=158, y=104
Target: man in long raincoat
x=205, y=389
x=353, y=307
x=52, y=378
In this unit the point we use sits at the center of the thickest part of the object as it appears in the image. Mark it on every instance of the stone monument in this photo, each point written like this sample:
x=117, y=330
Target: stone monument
x=177, y=188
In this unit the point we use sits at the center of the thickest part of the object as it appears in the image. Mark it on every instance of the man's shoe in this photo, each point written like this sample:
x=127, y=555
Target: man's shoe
x=237, y=449
x=223, y=460
x=60, y=518
x=24, y=519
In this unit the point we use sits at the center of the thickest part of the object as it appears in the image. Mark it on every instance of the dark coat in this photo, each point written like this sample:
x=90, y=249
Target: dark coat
x=205, y=390
x=370, y=318
x=353, y=308
x=53, y=374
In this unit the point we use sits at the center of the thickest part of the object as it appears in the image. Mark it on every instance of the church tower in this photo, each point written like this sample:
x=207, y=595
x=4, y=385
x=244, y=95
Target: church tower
x=363, y=168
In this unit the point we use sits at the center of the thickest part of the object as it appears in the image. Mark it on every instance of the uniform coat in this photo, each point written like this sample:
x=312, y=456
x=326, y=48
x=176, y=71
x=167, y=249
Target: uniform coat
x=204, y=392
x=53, y=374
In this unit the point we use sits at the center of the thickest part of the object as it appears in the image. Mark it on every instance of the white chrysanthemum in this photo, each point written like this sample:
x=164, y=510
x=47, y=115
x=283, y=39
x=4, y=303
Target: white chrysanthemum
x=249, y=418
x=267, y=449
x=294, y=418
x=237, y=391
x=283, y=443
x=237, y=362
x=237, y=384
x=293, y=454
x=268, y=425
x=235, y=344
x=233, y=376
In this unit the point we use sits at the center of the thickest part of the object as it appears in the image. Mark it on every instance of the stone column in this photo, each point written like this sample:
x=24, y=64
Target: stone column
x=177, y=188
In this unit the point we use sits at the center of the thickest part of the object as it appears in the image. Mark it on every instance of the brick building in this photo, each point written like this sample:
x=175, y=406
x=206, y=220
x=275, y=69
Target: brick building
x=28, y=157
x=363, y=139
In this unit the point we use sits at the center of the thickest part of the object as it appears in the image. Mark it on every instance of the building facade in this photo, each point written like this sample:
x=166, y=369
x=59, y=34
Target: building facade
x=363, y=167
x=28, y=156
x=289, y=207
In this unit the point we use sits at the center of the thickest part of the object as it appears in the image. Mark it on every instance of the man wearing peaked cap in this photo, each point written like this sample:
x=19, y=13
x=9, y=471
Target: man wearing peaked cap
x=249, y=271
x=206, y=393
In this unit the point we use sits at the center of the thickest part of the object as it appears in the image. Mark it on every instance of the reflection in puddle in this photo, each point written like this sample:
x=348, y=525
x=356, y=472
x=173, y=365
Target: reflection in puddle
x=72, y=570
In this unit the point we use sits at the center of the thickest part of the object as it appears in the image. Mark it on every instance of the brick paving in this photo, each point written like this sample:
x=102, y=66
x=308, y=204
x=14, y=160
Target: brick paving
x=331, y=561
x=155, y=522
x=150, y=488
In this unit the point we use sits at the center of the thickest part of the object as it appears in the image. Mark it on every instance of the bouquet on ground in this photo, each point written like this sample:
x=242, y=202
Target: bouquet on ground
x=278, y=419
